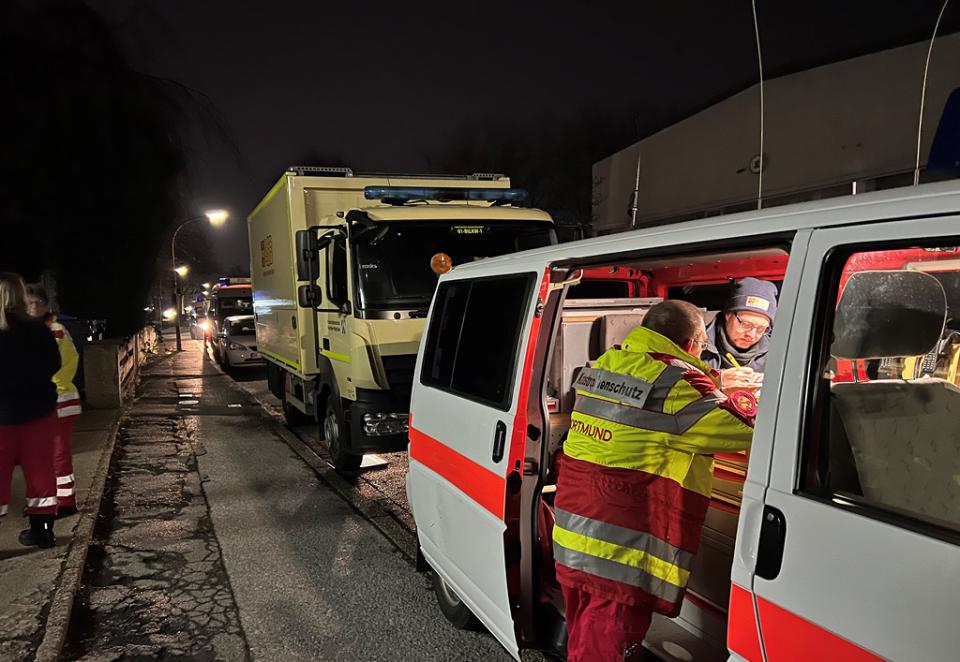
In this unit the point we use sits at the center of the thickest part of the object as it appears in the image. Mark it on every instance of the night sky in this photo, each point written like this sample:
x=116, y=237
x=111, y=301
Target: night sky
x=385, y=86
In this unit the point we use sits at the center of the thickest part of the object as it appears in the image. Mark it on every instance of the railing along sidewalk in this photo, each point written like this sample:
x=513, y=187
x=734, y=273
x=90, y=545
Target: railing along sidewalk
x=111, y=367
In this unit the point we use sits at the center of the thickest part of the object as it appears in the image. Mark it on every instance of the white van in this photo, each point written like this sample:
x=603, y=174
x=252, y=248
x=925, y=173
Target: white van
x=839, y=542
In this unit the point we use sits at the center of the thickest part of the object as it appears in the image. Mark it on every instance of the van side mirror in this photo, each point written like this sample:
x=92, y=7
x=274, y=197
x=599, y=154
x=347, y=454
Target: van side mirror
x=308, y=255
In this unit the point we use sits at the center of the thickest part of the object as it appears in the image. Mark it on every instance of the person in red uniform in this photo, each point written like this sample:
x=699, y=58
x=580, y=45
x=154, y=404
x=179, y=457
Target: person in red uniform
x=635, y=480
x=68, y=399
x=28, y=423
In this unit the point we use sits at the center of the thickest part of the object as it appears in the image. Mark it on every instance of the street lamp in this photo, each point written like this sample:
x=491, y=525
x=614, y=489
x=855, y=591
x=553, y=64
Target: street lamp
x=216, y=217
x=182, y=270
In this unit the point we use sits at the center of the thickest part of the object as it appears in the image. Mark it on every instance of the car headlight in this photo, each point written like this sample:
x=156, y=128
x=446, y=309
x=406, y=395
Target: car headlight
x=234, y=347
x=380, y=424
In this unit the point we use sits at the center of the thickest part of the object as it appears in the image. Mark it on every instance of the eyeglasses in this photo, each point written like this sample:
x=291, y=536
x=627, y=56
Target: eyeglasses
x=702, y=343
x=747, y=327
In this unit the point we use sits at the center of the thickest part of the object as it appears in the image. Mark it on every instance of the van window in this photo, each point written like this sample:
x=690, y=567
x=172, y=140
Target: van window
x=474, y=336
x=883, y=436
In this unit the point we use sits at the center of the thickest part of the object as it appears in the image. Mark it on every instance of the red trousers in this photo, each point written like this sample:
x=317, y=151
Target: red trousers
x=63, y=463
x=600, y=630
x=31, y=446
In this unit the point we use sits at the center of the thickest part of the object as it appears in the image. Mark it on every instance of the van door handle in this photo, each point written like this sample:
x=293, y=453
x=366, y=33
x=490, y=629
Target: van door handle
x=499, y=441
x=773, y=535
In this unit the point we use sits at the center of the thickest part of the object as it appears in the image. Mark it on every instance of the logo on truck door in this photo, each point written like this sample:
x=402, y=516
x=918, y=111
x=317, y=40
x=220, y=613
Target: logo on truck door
x=266, y=254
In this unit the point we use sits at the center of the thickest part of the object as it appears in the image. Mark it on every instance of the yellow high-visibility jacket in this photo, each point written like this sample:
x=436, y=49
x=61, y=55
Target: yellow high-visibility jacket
x=68, y=398
x=637, y=469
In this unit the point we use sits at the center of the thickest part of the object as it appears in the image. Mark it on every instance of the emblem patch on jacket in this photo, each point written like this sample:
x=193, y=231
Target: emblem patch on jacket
x=744, y=402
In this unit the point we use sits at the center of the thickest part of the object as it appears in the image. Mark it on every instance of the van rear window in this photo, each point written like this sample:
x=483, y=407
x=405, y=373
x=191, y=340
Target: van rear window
x=474, y=336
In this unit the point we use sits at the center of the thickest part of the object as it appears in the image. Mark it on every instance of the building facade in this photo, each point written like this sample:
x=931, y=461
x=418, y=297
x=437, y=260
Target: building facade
x=842, y=128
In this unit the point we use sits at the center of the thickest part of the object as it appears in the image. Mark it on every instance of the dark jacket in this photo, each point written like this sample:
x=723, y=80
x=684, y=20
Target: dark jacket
x=28, y=360
x=714, y=358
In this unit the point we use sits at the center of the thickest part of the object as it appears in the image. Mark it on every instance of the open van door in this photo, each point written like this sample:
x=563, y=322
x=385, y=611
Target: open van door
x=467, y=435
x=857, y=556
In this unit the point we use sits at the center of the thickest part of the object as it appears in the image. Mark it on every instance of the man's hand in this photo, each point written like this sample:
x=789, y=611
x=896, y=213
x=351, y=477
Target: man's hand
x=740, y=378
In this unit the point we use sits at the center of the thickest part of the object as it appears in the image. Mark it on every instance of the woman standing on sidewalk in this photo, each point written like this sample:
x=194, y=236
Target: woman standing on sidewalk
x=28, y=425
x=68, y=398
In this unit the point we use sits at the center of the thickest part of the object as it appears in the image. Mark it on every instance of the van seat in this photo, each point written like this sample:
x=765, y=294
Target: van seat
x=585, y=333
x=904, y=440
x=615, y=326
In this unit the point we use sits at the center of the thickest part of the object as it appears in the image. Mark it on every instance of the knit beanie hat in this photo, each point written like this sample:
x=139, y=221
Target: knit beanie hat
x=756, y=296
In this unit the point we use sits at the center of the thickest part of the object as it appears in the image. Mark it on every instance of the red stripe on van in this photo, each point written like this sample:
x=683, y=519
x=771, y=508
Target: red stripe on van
x=742, y=636
x=474, y=480
x=518, y=437
x=788, y=638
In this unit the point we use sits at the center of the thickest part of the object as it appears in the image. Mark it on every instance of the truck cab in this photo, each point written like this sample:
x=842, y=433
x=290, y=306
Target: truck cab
x=344, y=268
x=853, y=463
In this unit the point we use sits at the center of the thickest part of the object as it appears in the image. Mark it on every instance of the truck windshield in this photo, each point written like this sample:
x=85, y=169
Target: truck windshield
x=393, y=260
x=227, y=306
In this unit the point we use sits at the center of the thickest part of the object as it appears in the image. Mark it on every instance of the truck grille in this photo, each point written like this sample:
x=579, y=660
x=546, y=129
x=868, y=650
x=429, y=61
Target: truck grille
x=399, y=372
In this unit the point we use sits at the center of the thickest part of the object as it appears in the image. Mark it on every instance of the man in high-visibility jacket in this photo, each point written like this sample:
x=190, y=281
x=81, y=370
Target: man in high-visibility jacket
x=68, y=399
x=635, y=480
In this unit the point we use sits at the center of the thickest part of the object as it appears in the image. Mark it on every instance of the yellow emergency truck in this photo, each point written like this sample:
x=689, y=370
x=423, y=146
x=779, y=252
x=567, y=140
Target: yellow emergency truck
x=344, y=267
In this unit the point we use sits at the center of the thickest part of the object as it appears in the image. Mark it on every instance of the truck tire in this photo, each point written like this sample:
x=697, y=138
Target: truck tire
x=452, y=606
x=334, y=430
x=275, y=377
x=293, y=416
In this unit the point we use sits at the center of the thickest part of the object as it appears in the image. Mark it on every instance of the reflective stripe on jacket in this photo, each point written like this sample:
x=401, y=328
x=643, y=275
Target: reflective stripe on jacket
x=68, y=398
x=637, y=469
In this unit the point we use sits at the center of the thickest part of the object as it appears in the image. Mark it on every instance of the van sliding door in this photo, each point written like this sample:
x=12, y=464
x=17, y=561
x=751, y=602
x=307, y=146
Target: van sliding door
x=467, y=437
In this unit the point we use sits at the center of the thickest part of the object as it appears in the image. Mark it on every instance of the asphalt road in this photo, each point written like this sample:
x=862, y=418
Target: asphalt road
x=384, y=484
x=290, y=569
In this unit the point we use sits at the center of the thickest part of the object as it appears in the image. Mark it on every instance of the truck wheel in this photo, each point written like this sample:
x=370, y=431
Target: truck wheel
x=334, y=432
x=452, y=606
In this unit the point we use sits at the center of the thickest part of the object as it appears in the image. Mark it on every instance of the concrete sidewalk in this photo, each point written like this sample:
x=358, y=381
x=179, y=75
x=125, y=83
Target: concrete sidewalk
x=29, y=577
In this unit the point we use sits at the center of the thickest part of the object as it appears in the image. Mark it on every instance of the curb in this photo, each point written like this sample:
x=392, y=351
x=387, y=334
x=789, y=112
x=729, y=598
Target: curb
x=61, y=606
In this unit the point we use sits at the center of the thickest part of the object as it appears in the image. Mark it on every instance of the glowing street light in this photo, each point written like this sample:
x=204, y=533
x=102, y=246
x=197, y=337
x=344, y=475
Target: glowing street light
x=217, y=217
x=206, y=286
x=170, y=314
x=182, y=270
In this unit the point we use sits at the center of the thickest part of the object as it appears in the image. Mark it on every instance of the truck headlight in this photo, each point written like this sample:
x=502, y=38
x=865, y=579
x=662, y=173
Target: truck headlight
x=380, y=425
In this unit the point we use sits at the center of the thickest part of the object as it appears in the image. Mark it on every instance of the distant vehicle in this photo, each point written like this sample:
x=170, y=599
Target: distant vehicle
x=236, y=343
x=344, y=267
x=199, y=325
x=228, y=297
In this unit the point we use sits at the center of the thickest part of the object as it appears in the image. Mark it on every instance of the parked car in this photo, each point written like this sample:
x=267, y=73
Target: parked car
x=235, y=345
x=199, y=325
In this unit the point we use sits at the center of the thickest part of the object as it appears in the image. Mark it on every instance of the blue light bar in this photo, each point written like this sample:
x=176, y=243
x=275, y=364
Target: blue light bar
x=400, y=194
